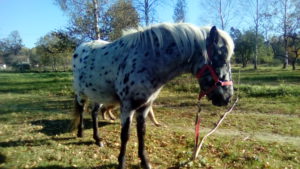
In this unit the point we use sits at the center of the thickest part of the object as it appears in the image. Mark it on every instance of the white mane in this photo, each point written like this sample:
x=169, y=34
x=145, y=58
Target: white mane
x=184, y=34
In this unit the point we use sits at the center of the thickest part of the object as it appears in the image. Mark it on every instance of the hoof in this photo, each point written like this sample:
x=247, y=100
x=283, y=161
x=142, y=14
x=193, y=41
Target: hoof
x=79, y=134
x=158, y=124
x=146, y=166
x=112, y=117
x=100, y=144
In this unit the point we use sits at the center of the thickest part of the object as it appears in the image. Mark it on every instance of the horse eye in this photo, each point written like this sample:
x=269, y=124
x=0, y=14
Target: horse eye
x=223, y=49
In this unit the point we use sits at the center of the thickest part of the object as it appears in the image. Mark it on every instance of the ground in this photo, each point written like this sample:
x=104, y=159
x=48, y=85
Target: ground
x=262, y=131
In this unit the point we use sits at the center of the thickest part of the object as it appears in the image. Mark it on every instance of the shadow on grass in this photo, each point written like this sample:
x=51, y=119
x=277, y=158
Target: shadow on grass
x=32, y=105
x=2, y=158
x=178, y=165
x=56, y=127
x=106, y=166
x=80, y=143
x=115, y=166
x=53, y=166
x=53, y=127
x=32, y=142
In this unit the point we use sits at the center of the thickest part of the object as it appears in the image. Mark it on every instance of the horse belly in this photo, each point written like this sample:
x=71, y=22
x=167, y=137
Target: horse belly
x=102, y=94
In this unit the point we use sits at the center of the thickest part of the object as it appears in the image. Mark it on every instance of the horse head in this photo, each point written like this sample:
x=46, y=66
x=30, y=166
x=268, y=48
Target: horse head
x=215, y=78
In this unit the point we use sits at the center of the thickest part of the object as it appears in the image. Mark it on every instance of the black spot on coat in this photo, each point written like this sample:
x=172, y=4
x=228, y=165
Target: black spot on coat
x=141, y=70
x=126, y=78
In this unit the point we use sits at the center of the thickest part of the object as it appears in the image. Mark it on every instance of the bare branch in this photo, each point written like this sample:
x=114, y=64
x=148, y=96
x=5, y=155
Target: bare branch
x=197, y=149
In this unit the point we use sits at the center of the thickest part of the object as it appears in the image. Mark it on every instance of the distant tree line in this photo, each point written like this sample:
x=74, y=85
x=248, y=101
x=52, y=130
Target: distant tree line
x=272, y=37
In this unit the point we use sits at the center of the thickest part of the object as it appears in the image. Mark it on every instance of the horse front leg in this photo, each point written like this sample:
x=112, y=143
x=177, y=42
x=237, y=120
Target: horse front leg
x=96, y=136
x=141, y=131
x=126, y=119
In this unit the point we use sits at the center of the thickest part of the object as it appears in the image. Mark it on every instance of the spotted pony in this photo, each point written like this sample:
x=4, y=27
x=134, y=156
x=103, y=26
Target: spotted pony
x=104, y=109
x=132, y=70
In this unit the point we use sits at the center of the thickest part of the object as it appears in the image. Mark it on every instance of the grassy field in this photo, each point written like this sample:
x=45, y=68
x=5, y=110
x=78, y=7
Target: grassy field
x=262, y=132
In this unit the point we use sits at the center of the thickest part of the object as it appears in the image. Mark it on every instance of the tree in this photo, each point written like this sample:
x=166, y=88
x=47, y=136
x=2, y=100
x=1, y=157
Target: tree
x=34, y=58
x=84, y=16
x=55, y=49
x=289, y=18
x=121, y=15
x=245, y=47
x=219, y=12
x=277, y=47
x=10, y=47
x=235, y=34
x=180, y=11
x=294, y=48
x=262, y=19
x=147, y=9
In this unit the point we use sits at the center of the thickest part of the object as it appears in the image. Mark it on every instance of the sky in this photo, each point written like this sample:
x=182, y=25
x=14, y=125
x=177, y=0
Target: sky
x=35, y=18
x=31, y=18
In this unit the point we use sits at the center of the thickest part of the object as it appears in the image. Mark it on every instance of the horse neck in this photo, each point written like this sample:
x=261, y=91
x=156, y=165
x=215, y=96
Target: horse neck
x=178, y=63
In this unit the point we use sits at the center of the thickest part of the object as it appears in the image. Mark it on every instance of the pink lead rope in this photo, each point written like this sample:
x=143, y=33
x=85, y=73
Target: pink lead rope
x=202, y=93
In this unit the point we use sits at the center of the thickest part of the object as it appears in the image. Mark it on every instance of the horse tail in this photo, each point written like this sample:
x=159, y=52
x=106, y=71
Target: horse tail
x=77, y=112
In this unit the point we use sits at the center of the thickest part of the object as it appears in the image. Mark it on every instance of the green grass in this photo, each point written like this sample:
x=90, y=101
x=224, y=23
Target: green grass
x=262, y=131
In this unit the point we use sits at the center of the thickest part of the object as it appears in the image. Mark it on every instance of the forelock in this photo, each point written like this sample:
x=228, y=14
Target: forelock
x=226, y=37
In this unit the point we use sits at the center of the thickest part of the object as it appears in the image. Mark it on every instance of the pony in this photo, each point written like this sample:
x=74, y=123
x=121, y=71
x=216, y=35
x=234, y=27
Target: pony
x=108, y=110
x=132, y=70
x=105, y=110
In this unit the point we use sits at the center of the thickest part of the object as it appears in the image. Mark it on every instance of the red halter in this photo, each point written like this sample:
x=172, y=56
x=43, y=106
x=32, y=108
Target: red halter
x=218, y=82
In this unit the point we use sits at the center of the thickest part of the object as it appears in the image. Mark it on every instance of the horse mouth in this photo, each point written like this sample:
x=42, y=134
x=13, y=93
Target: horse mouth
x=220, y=102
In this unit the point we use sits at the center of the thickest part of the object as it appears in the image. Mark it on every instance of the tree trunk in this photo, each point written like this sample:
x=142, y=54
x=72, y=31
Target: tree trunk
x=294, y=61
x=256, y=36
x=244, y=62
x=294, y=65
x=96, y=20
x=146, y=2
x=65, y=64
x=221, y=14
x=286, y=58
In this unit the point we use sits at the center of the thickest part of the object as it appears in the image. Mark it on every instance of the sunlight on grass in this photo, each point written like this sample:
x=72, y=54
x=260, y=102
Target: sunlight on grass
x=262, y=132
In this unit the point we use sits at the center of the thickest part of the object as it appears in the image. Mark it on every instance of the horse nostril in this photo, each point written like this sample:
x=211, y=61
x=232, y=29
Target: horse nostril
x=218, y=83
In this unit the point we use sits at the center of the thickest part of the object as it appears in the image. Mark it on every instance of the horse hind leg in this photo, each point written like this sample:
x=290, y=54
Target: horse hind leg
x=108, y=110
x=103, y=110
x=110, y=114
x=94, y=113
x=152, y=117
x=78, y=115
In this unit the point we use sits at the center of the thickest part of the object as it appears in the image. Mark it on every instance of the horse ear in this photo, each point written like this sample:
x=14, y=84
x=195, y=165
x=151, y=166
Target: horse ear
x=213, y=35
